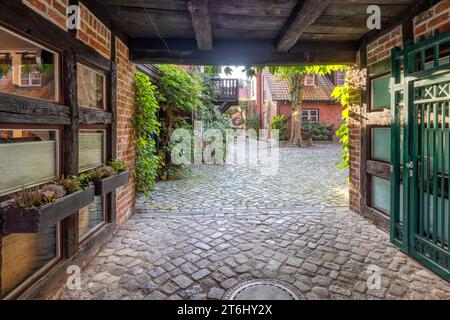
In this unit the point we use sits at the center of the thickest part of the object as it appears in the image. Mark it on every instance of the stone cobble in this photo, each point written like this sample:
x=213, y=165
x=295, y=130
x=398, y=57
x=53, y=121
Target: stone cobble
x=199, y=237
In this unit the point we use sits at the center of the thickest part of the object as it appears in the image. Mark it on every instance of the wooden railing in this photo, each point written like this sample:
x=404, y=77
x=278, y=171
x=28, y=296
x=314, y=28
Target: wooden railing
x=227, y=89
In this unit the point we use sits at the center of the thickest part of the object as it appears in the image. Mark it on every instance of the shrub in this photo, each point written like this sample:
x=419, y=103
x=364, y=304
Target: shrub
x=317, y=130
x=280, y=123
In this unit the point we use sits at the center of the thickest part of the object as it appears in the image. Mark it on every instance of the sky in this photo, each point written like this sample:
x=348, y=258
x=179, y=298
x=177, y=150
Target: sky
x=237, y=73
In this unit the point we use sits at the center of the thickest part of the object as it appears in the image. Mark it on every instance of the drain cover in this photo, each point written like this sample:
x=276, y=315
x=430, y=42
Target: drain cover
x=264, y=290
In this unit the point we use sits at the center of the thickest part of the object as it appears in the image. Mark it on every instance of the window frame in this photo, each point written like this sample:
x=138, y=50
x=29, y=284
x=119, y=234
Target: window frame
x=104, y=74
x=310, y=76
x=370, y=141
x=370, y=190
x=59, y=154
x=105, y=198
x=340, y=74
x=309, y=115
x=30, y=84
x=59, y=98
x=371, y=91
x=32, y=279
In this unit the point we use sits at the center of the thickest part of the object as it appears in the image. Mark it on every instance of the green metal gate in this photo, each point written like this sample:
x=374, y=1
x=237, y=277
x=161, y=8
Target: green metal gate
x=420, y=100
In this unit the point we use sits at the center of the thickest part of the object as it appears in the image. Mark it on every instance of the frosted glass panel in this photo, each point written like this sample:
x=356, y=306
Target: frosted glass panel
x=381, y=97
x=25, y=254
x=381, y=194
x=25, y=160
x=381, y=144
x=90, y=217
x=91, y=150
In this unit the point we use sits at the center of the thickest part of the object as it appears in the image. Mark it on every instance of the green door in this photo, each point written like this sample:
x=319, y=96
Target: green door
x=420, y=182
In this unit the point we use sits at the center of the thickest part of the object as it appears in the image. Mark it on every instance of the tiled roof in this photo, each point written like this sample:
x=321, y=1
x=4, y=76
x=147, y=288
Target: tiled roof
x=279, y=89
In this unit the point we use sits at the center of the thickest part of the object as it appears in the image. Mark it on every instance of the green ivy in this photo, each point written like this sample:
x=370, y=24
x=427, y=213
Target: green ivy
x=146, y=128
x=342, y=93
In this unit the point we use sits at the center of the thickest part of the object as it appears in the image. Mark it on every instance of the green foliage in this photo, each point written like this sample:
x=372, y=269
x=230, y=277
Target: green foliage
x=118, y=165
x=280, y=123
x=27, y=198
x=57, y=190
x=146, y=127
x=253, y=122
x=180, y=90
x=317, y=130
x=342, y=94
x=70, y=184
x=207, y=113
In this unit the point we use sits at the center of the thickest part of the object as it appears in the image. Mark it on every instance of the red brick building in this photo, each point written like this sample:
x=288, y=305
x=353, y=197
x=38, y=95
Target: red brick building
x=273, y=99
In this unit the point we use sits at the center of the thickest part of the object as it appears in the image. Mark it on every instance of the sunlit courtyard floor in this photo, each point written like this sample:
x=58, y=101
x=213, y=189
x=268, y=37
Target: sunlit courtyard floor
x=198, y=237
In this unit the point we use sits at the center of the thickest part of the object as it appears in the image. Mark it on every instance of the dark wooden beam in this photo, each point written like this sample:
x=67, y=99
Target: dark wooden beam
x=304, y=14
x=89, y=116
x=18, y=109
x=249, y=52
x=201, y=23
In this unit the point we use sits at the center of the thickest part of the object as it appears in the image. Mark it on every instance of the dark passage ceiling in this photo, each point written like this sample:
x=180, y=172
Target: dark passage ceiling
x=247, y=31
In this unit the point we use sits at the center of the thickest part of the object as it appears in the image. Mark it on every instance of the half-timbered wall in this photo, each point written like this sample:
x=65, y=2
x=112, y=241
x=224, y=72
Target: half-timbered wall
x=101, y=47
x=371, y=118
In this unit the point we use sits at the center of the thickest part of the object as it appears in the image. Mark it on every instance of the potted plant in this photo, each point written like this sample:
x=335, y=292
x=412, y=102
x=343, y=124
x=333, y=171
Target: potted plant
x=33, y=209
x=108, y=178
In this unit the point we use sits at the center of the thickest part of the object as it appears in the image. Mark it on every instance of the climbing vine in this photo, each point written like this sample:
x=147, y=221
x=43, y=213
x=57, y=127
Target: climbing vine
x=146, y=129
x=355, y=81
x=181, y=97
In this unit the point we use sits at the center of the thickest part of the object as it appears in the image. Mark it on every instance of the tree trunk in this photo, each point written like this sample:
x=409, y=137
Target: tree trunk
x=298, y=87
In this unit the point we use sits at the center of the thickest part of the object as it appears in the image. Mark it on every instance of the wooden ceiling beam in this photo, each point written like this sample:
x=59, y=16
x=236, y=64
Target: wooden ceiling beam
x=241, y=52
x=201, y=23
x=303, y=15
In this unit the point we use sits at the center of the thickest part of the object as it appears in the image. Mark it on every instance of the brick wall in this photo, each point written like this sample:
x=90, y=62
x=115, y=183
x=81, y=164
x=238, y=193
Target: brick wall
x=355, y=154
x=53, y=10
x=125, y=147
x=435, y=19
x=94, y=33
x=331, y=114
x=381, y=48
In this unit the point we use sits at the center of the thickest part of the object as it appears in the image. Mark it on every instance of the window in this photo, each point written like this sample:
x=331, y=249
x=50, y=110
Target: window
x=91, y=149
x=340, y=78
x=25, y=257
x=27, y=69
x=310, y=80
x=91, y=155
x=381, y=194
x=381, y=144
x=91, y=87
x=311, y=115
x=30, y=76
x=27, y=158
x=381, y=93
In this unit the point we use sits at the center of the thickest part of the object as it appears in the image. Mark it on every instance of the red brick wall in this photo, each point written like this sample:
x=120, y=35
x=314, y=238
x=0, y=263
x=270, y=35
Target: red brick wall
x=355, y=156
x=53, y=10
x=125, y=149
x=94, y=33
x=436, y=18
x=381, y=48
x=331, y=114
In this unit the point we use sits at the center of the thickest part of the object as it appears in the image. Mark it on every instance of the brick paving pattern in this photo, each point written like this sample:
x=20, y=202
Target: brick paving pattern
x=196, y=238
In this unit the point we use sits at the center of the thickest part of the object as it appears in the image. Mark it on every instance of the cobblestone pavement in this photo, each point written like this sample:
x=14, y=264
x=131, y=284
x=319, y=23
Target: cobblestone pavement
x=192, y=245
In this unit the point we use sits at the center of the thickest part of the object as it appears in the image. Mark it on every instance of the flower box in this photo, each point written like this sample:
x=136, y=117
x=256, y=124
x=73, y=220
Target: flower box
x=18, y=220
x=107, y=185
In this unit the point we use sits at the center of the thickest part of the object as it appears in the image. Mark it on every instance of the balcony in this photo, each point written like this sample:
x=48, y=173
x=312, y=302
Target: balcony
x=227, y=93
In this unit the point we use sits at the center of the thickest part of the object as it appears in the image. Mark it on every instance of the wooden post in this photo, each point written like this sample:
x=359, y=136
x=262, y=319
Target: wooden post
x=69, y=225
x=111, y=216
